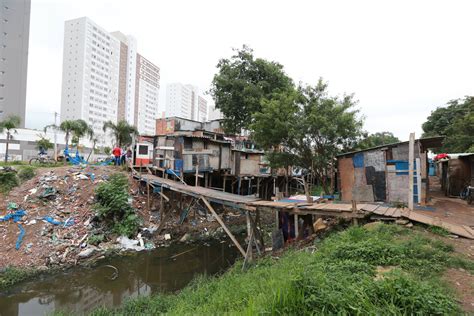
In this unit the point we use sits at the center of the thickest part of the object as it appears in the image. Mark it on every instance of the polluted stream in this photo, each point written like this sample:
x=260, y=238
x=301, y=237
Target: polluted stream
x=113, y=280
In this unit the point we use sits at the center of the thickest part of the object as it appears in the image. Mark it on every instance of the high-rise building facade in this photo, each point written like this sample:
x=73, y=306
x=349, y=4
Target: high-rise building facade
x=15, y=29
x=101, y=79
x=184, y=100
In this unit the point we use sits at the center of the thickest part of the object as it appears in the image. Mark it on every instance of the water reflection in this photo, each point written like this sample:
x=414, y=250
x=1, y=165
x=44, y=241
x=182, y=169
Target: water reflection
x=81, y=290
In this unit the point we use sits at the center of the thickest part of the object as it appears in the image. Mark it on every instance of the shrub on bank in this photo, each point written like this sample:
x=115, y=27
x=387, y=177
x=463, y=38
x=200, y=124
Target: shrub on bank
x=113, y=205
x=384, y=270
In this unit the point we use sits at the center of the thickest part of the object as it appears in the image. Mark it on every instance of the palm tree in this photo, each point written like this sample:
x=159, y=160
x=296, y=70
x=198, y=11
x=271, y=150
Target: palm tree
x=66, y=126
x=122, y=131
x=9, y=124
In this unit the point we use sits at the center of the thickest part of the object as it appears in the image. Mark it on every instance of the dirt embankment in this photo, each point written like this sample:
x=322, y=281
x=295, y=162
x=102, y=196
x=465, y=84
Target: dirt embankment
x=59, y=219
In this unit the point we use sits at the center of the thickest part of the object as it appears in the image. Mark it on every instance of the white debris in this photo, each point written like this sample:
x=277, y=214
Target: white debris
x=167, y=236
x=86, y=253
x=129, y=244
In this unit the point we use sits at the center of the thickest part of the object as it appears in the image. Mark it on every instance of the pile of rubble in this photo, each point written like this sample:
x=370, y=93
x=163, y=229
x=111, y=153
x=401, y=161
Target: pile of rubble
x=57, y=220
x=56, y=217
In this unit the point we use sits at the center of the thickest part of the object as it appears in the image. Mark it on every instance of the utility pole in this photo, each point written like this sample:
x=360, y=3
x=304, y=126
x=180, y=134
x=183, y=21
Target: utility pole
x=55, y=137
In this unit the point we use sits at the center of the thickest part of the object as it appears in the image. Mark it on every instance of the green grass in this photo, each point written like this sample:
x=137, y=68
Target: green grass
x=12, y=276
x=340, y=277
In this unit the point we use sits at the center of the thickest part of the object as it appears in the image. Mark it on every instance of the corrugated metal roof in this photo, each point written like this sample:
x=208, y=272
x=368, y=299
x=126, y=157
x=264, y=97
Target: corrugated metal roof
x=428, y=142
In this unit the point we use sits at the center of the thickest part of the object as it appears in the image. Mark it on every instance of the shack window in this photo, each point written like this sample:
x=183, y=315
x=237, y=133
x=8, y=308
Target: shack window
x=188, y=143
x=244, y=156
x=143, y=150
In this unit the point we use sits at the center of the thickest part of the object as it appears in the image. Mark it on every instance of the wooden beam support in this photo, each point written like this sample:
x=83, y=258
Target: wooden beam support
x=411, y=158
x=221, y=222
x=297, y=233
x=164, y=196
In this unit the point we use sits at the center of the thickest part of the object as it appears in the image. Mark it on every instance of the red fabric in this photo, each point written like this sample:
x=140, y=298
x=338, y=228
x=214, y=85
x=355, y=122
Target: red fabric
x=441, y=156
x=116, y=152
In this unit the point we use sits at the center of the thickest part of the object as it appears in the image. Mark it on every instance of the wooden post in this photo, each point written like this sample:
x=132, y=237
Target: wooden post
x=258, y=187
x=249, y=225
x=248, y=254
x=411, y=157
x=250, y=186
x=148, y=194
x=206, y=179
x=297, y=233
x=238, y=185
x=232, y=237
x=355, y=221
x=418, y=179
x=197, y=175
x=277, y=219
x=251, y=236
x=223, y=185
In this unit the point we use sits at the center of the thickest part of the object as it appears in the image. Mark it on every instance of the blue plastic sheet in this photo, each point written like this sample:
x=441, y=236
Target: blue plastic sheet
x=358, y=160
x=67, y=223
x=16, y=216
x=20, y=237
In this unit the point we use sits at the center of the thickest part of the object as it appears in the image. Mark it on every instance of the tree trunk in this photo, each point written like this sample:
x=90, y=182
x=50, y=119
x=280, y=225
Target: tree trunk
x=67, y=145
x=93, y=147
x=6, y=146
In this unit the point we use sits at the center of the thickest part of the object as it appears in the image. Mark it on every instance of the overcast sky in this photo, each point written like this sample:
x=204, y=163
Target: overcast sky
x=401, y=59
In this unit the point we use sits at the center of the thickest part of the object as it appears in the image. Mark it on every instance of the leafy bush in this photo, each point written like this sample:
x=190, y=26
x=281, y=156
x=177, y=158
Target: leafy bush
x=8, y=180
x=113, y=207
x=96, y=239
x=26, y=173
x=12, y=275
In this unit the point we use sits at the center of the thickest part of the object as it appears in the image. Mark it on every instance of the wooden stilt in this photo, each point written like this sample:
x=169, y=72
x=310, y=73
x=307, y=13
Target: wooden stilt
x=197, y=176
x=148, y=195
x=223, y=185
x=221, y=222
x=258, y=187
x=297, y=233
x=248, y=254
x=249, y=225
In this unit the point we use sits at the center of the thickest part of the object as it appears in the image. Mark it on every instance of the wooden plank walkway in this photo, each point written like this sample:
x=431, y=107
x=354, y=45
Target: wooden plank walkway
x=344, y=210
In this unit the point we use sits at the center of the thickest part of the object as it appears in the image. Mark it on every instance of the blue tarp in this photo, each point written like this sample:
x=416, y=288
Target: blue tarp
x=16, y=216
x=67, y=223
x=20, y=237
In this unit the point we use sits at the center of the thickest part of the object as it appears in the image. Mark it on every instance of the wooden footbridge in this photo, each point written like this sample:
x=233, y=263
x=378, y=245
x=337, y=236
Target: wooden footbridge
x=253, y=204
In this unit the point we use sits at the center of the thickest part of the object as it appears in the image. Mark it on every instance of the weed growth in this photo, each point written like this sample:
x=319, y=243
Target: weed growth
x=113, y=206
x=8, y=180
x=26, y=173
x=11, y=276
x=341, y=277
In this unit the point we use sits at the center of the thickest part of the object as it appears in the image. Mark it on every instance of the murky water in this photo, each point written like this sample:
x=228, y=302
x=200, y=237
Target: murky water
x=82, y=289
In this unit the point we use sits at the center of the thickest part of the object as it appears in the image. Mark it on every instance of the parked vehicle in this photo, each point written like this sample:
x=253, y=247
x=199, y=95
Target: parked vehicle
x=468, y=194
x=42, y=159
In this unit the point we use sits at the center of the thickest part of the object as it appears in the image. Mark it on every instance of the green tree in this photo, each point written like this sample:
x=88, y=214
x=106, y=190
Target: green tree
x=44, y=143
x=9, y=124
x=107, y=150
x=455, y=122
x=377, y=139
x=122, y=132
x=307, y=129
x=240, y=85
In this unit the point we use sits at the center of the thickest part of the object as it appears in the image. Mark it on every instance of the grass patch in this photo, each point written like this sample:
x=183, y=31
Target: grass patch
x=8, y=180
x=26, y=173
x=11, y=276
x=438, y=230
x=339, y=278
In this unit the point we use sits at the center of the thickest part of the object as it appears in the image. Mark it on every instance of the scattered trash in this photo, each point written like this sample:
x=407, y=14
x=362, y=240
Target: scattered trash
x=48, y=193
x=129, y=244
x=86, y=253
x=20, y=237
x=12, y=206
x=167, y=236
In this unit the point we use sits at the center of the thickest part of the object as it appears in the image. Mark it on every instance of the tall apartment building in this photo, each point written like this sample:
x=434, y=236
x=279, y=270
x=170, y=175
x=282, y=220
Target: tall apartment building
x=15, y=30
x=105, y=79
x=183, y=100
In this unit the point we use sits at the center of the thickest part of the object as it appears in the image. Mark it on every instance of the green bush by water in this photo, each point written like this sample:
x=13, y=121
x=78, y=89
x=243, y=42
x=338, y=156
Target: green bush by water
x=340, y=277
x=113, y=207
x=11, y=276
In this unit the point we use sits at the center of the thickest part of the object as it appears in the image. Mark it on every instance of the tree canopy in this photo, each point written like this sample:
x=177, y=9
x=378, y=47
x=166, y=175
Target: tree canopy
x=122, y=132
x=376, y=139
x=242, y=83
x=307, y=128
x=456, y=122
